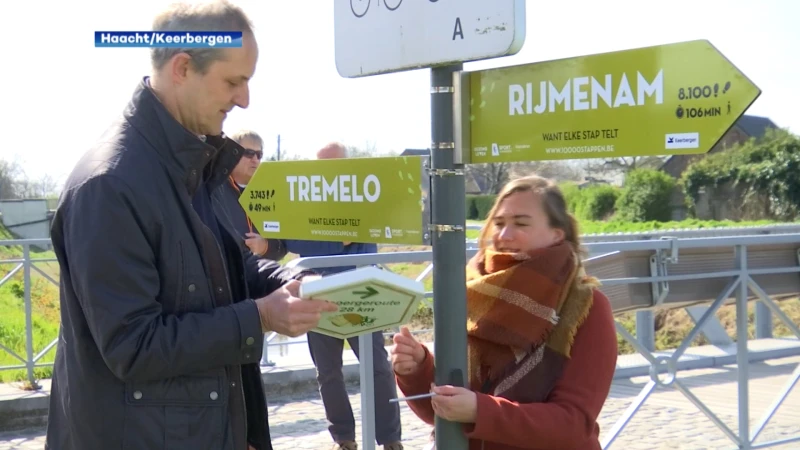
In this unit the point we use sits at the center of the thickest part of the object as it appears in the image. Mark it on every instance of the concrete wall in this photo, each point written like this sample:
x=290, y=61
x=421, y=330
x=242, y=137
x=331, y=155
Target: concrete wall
x=26, y=219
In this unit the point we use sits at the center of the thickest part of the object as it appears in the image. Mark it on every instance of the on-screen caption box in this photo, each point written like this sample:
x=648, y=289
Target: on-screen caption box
x=168, y=39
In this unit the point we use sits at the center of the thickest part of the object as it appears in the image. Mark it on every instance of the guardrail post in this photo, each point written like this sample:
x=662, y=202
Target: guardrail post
x=763, y=321
x=367, y=382
x=26, y=271
x=265, y=362
x=645, y=329
x=742, y=360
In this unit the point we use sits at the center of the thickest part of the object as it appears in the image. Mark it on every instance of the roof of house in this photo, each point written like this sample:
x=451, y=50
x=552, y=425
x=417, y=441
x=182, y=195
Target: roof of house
x=755, y=126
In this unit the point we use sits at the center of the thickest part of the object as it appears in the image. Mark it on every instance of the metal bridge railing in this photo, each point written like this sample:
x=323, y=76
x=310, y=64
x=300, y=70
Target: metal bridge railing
x=663, y=370
x=27, y=265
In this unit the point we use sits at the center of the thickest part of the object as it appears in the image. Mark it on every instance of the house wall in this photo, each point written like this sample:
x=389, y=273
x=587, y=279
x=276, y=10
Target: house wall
x=714, y=202
x=727, y=202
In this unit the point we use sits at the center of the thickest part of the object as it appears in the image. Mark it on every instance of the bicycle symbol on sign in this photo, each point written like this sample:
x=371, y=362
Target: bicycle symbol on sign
x=360, y=7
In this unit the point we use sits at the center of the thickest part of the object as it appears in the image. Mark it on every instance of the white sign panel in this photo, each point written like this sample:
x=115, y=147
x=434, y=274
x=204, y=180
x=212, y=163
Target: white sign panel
x=369, y=299
x=383, y=36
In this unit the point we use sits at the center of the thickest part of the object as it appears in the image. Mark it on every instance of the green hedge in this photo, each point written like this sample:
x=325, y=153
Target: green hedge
x=478, y=206
x=646, y=196
x=594, y=202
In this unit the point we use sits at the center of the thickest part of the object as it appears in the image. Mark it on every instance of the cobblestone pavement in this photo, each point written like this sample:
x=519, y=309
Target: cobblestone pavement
x=299, y=423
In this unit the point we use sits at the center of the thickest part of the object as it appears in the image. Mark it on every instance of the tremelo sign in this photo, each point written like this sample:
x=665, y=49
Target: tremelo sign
x=370, y=200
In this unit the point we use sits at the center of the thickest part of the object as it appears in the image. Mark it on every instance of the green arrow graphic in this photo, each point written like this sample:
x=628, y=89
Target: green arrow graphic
x=369, y=292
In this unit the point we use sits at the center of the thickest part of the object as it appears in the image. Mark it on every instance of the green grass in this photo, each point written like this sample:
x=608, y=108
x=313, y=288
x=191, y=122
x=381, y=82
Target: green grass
x=44, y=306
x=601, y=227
x=12, y=326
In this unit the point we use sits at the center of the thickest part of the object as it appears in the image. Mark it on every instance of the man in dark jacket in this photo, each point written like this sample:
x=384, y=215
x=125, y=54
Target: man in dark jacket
x=253, y=145
x=160, y=336
x=326, y=353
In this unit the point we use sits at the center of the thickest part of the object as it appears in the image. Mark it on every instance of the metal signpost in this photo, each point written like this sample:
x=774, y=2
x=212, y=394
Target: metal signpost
x=670, y=99
x=383, y=36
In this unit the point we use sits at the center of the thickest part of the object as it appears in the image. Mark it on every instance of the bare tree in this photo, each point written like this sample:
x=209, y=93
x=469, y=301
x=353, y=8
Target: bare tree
x=490, y=176
x=286, y=155
x=47, y=187
x=9, y=173
x=15, y=184
x=368, y=150
x=557, y=170
x=623, y=165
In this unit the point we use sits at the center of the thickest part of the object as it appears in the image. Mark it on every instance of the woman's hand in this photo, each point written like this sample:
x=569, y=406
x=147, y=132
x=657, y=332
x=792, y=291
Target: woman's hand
x=455, y=404
x=407, y=353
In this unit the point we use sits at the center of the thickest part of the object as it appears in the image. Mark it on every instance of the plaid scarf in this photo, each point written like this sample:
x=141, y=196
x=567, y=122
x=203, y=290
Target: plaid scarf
x=523, y=309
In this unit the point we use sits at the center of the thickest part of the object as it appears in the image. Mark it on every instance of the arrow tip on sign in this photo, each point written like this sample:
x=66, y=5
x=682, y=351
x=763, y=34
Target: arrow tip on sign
x=741, y=73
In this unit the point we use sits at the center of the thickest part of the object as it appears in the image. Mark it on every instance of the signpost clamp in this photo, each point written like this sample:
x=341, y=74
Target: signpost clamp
x=445, y=172
x=443, y=90
x=440, y=228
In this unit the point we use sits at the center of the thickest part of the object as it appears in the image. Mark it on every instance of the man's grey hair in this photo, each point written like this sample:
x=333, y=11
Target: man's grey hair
x=214, y=15
x=239, y=136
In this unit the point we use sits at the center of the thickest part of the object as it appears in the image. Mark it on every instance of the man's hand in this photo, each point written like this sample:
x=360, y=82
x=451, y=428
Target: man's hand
x=256, y=243
x=285, y=313
x=346, y=243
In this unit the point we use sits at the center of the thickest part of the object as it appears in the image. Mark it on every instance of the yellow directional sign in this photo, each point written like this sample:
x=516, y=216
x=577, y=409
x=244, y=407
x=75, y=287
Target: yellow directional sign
x=377, y=200
x=369, y=300
x=670, y=99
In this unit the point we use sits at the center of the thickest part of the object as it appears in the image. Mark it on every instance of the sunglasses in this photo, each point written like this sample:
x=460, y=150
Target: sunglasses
x=251, y=153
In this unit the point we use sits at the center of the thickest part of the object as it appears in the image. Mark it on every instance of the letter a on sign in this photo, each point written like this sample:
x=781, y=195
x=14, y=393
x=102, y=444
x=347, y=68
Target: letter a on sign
x=457, y=30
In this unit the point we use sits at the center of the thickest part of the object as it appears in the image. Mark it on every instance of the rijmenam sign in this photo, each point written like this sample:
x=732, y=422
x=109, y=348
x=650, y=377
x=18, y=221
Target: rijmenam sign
x=670, y=99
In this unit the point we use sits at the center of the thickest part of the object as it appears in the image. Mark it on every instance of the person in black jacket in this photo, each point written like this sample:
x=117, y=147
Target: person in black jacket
x=162, y=312
x=272, y=249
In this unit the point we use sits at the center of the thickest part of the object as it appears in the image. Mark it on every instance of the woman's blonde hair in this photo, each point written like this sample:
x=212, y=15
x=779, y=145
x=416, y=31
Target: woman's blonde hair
x=555, y=206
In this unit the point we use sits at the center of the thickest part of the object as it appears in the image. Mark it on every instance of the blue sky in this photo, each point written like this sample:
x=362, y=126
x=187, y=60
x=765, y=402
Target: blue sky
x=61, y=92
